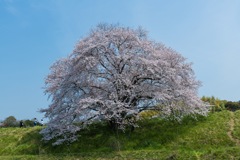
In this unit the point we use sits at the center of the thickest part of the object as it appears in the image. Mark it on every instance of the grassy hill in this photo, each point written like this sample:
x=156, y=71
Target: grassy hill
x=214, y=137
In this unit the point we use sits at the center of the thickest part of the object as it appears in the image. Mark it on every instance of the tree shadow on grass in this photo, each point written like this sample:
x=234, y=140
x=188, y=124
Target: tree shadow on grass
x=151, y=134
x=156, y=133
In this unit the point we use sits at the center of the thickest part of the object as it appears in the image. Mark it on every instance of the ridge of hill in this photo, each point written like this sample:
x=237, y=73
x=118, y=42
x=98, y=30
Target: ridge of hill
x=214, y=137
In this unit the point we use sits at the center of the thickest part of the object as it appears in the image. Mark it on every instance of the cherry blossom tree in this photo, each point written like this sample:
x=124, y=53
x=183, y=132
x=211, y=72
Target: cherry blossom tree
x=112, y=75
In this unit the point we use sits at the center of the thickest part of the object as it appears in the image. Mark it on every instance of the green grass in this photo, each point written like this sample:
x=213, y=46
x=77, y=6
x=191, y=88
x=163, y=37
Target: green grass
x=155, y=139
x=236, y=132
x=19, y=141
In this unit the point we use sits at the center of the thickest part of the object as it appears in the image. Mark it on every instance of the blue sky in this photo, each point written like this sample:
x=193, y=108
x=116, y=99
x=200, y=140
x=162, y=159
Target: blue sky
x=34, y=34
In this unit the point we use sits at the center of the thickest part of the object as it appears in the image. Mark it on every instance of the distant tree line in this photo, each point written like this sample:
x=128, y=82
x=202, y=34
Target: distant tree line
x=219, y=105
x=11, y=121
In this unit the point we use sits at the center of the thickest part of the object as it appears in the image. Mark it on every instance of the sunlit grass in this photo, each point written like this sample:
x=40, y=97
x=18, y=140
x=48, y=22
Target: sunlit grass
x=14, y=141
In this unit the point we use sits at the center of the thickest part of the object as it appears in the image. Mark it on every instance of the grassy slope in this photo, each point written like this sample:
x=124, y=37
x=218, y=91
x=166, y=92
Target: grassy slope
x=154, y=139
